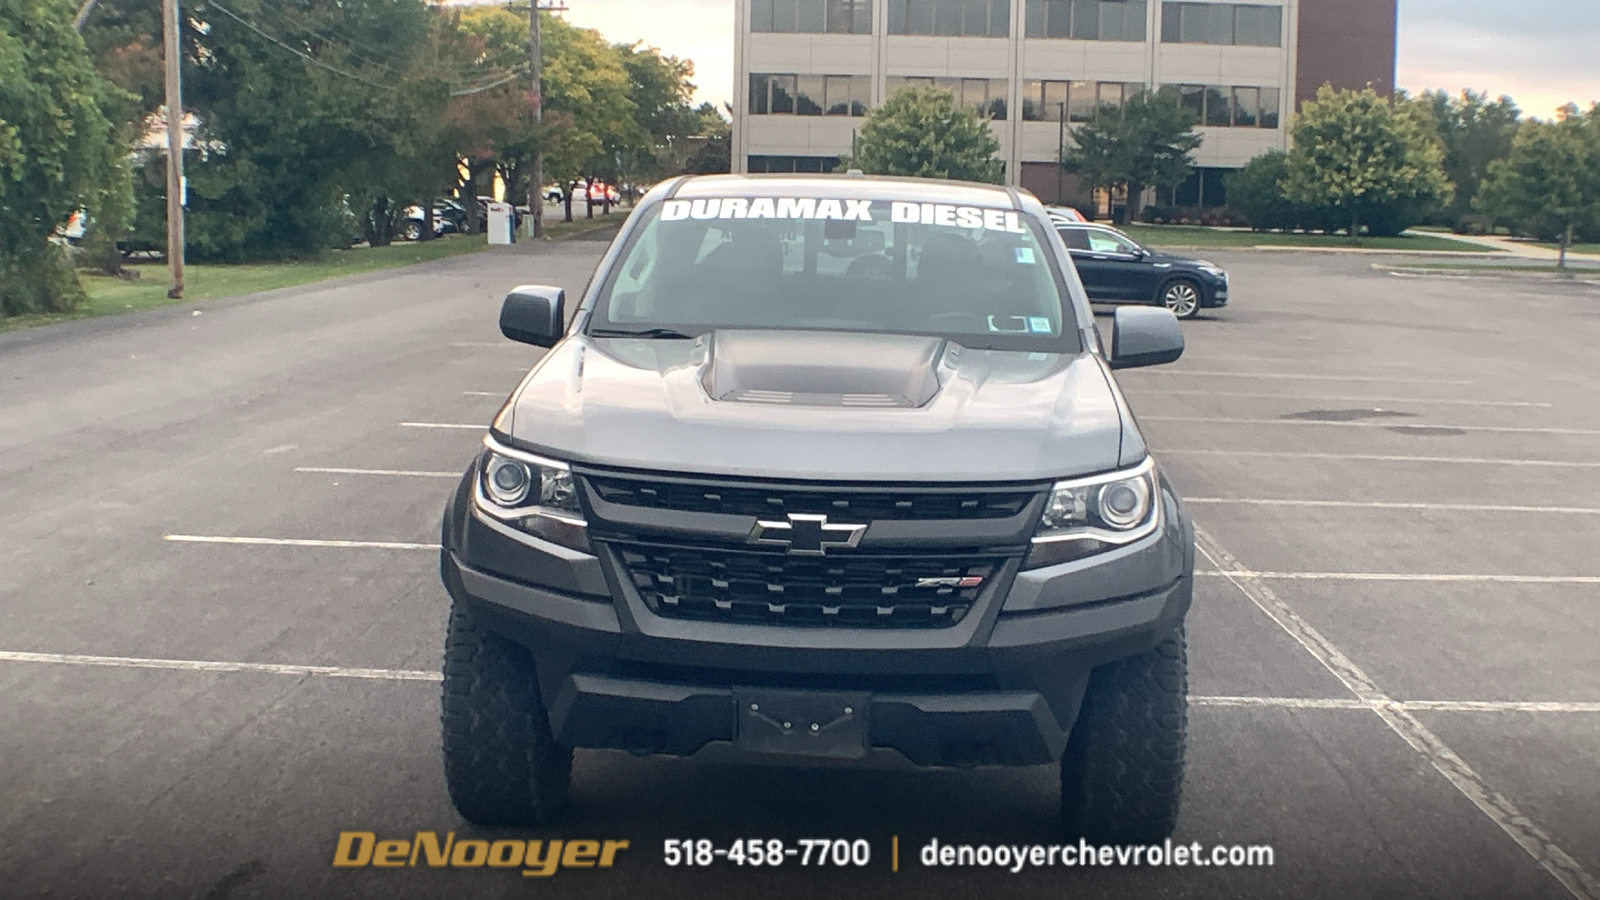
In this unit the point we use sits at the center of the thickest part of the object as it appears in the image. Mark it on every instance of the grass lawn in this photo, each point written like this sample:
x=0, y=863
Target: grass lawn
x=1200, y=236
x=556, y=229
x=109, y=296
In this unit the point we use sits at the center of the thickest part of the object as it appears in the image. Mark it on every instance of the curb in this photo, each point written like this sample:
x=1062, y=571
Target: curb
x=1591, y=278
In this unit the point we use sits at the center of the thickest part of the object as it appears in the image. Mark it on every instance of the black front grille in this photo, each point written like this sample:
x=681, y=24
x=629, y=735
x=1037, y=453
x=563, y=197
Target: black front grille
x=845, y=503
x=856, y=591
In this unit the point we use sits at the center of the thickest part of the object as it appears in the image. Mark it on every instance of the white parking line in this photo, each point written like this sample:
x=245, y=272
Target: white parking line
x=1237, y=573
x=1312, y=358
x=1396, y=576
x=1361, y=504
x=1369, y=457
x=297, y=542
x=1483, y=706
x=1340, y=398
x=484, y=393
x=195, y=665
x=402, y=473
x=1297, y=376
x=1391, y=424
x=372, y=674
x=1530, y=837
x=443, y=425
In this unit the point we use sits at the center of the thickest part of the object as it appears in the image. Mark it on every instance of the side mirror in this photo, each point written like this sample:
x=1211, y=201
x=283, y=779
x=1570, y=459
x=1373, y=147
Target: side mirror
x=1145, y=336
x=534, y=314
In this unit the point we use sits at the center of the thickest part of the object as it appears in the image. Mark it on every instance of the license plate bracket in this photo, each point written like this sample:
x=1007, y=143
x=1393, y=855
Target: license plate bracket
x=801, y=723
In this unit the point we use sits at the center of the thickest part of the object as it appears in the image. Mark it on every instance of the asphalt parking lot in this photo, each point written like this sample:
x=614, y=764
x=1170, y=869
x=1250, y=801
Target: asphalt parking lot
x=220, y=616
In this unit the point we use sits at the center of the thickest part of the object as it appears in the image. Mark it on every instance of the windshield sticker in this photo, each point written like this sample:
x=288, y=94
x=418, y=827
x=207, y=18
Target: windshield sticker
x=767, y=208
x=1040, y=325
x=797, y=208
x=971, y=217
x=1024, y=256
x=1009, y=325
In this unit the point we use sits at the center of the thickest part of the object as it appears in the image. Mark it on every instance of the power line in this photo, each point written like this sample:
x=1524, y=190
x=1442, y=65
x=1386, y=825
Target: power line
x=478, y=90
x=501, y=77
x=303, y=55
x=344, y=41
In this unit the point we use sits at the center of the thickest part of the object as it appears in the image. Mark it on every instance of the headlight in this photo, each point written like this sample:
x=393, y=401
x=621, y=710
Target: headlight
x=532, y=494
x=1086, y=516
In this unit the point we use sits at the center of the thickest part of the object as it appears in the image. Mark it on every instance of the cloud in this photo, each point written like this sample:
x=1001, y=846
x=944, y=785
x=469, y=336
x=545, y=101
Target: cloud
x=1540, y=52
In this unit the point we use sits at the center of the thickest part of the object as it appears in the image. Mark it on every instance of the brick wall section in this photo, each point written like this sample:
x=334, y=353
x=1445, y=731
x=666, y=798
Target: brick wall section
x=1348, y=43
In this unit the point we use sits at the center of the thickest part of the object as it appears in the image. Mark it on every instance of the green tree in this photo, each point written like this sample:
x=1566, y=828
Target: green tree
x=586, y=97
x=1256, y=191
x=714, y=155
x=1475, y=133
x=58, y=151
x=1376, y=163
x=661, y=88
x=298, y=103
x=1549, y=185
x=920, y=132
x=1148, y=141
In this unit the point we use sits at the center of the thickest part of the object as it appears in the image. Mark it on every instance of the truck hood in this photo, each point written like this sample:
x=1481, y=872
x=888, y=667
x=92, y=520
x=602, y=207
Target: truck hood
x=823, y=406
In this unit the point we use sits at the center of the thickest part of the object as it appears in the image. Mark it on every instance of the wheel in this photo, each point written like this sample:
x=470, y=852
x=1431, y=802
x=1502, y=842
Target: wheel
x=412, y=231
x=1122, y=774
x=1182, y=297
x=501, y=765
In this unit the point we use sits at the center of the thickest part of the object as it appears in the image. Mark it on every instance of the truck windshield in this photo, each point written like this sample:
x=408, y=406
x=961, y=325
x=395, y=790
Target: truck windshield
x=981, y=276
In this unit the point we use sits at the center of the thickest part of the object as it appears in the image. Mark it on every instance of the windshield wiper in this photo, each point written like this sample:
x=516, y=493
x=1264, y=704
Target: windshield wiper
x=665, y=334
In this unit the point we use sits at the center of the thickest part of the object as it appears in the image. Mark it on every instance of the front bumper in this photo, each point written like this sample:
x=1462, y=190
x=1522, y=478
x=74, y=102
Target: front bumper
x=1003, y=686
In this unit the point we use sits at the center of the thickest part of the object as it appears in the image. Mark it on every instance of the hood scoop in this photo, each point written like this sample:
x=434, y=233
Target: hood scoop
x=805, y=368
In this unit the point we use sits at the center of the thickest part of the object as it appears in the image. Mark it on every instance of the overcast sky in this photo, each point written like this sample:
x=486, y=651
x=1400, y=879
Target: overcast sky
x=1544, y=53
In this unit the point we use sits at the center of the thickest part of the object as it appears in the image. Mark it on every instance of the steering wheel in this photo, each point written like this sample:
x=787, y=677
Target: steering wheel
x=956, y=323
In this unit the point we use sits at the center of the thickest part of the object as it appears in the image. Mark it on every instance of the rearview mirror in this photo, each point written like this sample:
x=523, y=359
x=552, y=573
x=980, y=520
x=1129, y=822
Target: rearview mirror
x=1145, y=336
x=534, y=314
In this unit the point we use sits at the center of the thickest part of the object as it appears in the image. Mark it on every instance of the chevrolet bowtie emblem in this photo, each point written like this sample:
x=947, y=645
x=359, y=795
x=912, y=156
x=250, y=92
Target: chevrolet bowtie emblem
x=806, y=535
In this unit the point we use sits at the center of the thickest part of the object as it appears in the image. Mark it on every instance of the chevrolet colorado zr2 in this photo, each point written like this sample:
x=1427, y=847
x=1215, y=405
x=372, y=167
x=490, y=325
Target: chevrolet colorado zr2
x=817, y=467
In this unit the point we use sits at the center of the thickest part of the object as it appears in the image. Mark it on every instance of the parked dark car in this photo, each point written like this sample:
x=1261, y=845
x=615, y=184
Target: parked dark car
x=1114, y=268
x=449, y=217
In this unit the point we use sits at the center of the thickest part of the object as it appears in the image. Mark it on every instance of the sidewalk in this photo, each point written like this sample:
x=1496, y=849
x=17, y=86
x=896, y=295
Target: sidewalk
x=1523, y=249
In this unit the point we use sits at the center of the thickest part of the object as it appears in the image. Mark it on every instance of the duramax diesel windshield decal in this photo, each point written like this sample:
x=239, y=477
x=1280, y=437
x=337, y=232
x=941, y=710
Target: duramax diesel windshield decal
x=810, y=208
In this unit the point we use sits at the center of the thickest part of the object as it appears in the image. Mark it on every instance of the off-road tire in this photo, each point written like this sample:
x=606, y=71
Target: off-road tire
x=1122, y=773
x=501, y=766
x=411, y=231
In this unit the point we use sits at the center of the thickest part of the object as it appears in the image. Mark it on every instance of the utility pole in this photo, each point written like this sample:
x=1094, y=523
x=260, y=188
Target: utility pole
x=536, y=177
x=174, y=60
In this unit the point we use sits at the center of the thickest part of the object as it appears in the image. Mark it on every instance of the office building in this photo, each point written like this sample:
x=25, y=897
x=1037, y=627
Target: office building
x=812, y=69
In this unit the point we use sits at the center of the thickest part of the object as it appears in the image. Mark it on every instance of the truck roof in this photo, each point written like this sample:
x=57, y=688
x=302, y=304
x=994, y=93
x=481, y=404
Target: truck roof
x=855, y=187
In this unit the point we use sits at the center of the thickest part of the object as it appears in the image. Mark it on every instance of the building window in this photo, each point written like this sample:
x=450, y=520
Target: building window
x=1044, y=101
x=1086, y=20
x=1222, y=106
x=809, y=95
x=1245, y=24
x=811, y=16
x=951, y=18
x=814, y=165
x=984, y=96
